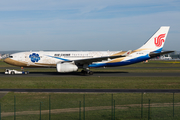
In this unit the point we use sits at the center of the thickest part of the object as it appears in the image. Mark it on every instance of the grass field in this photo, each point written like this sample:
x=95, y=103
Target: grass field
x=91, y=82
x=98, y=106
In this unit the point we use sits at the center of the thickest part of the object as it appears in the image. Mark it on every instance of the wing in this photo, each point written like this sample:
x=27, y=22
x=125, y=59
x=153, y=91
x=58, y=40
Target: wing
x=99, y=59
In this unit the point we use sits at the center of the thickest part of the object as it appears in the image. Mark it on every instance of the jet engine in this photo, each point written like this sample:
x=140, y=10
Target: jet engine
x=66, y=67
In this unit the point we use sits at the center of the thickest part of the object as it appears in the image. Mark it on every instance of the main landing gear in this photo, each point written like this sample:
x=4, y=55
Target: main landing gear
x=86, y=72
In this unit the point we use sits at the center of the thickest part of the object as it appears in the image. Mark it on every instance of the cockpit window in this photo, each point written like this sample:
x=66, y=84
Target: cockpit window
x=10, y=56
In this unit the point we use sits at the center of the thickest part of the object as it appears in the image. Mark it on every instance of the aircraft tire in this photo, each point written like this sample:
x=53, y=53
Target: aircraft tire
x=90, y=72
x=12, y=73
x=83, y=72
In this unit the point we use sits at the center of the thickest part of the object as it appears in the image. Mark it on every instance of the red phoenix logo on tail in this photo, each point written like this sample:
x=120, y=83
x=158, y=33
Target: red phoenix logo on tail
x=159, y=40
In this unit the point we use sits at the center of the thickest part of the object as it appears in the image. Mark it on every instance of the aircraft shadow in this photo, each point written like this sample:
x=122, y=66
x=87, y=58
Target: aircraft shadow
x=74, y=73
x=66, y=74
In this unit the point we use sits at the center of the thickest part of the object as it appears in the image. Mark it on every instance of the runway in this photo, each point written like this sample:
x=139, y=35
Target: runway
x=118, y=74
x=105, y=74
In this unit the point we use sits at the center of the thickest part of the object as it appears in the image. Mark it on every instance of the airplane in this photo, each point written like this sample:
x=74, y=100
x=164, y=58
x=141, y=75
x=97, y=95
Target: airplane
x=71, y=61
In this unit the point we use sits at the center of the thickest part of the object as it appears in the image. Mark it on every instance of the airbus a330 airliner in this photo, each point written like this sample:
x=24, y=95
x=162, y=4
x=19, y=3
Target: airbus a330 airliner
x=70, y=61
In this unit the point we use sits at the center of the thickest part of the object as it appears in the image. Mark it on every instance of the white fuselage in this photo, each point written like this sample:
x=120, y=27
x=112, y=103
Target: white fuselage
x=50, y=59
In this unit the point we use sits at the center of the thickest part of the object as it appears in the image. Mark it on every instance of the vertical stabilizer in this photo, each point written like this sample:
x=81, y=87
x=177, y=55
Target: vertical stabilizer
x=156, y=42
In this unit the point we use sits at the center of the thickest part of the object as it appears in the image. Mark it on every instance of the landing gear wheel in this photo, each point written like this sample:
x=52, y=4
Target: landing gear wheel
x=83, y=72
x=12, y=73
x=90, y=72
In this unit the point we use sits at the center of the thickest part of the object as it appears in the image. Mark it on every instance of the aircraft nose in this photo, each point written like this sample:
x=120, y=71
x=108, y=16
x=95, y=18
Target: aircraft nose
x=14, y=62
x=8, y=60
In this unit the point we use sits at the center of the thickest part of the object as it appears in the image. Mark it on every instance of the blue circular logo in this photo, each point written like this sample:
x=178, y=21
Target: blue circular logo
x=34, y=57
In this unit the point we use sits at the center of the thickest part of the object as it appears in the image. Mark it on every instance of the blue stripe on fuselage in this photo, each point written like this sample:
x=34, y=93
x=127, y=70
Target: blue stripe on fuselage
x=130, y=61
x=58, y=58
x=158, y=51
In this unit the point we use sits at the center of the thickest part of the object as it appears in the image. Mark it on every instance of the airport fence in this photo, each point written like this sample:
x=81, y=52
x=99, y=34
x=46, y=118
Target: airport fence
x=96, y=106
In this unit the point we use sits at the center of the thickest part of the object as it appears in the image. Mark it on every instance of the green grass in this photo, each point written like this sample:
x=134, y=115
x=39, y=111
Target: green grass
x=91, y=82
x=3, y=64
x=133, y=114
x=128, y=105
x=31, y=101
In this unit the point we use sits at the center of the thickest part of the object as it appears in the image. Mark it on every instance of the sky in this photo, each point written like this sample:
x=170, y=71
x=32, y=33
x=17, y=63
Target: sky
x=97, y=25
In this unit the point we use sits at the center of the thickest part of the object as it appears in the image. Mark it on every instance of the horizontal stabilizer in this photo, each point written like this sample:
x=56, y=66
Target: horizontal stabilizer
x=152, y=54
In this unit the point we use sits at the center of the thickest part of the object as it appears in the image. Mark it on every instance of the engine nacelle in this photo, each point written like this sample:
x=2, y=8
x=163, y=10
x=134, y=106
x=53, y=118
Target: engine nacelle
x=66, y=67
